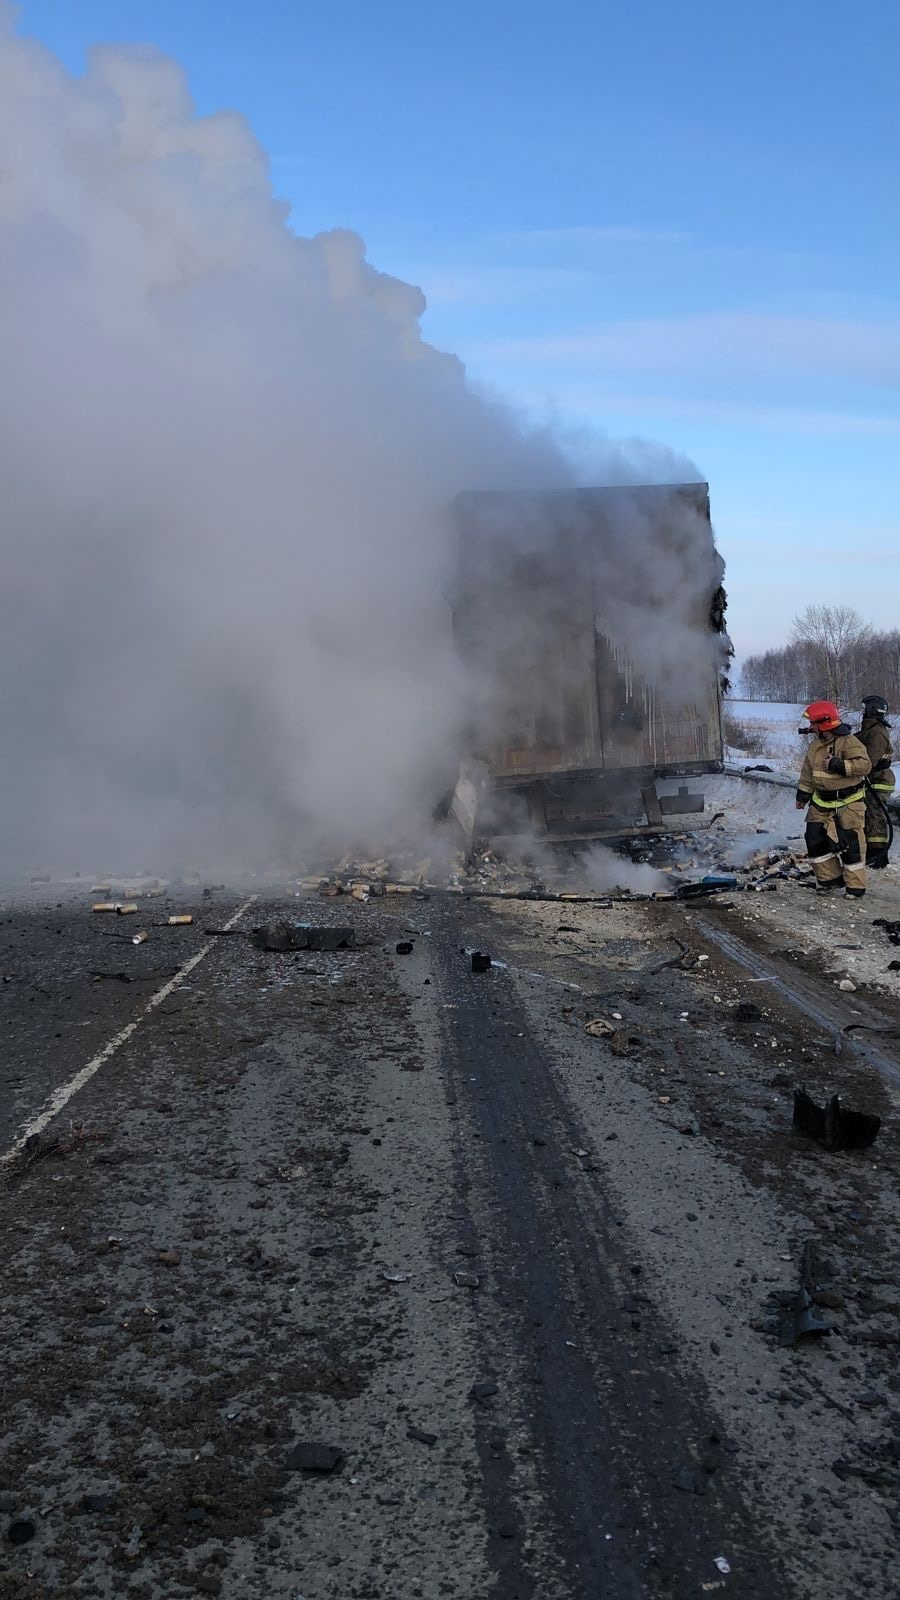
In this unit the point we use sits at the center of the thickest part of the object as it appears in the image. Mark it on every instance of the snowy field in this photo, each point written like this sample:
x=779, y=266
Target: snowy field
x=771, y=727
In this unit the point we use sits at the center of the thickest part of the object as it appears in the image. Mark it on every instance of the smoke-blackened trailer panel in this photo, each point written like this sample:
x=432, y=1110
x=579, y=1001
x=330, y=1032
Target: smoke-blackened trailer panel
x=591, y=622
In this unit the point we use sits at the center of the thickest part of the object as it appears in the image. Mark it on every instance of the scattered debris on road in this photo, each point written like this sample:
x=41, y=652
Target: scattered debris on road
x=833, y=1126
x=420, y=1436
x=20, y=1531
x=243, y=1068
x=182, y=920
x=712, y=883
x=892, y=929
x=481, y=961
x=799, y=1319
x=38, y=1146
x=817, y=1278
x=309, y=1456
x=767, y=866
x=798, y=1312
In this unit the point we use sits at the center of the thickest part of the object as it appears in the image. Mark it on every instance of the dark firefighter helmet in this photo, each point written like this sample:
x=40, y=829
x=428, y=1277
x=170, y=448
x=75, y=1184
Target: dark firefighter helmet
x=874, y=705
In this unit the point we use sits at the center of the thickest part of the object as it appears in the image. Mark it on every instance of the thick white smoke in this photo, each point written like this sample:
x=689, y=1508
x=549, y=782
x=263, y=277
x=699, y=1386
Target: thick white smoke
x=604, y=869
x=227, y=457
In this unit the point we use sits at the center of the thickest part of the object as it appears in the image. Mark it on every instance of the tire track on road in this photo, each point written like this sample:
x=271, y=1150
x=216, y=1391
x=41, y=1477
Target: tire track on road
x=612, y=1419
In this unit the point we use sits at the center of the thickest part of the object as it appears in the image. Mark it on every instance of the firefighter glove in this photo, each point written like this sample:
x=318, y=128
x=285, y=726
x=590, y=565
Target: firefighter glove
x=801, y=799
x=836, y=766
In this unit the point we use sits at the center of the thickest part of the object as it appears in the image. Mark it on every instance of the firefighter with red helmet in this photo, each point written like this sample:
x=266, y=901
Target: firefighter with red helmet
x=832, y=785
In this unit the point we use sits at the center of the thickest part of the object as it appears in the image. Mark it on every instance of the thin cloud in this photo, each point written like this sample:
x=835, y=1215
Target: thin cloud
x=488, y=286
x=793, y=419
x=599, y=244
x=716, y=342
x=589, y=233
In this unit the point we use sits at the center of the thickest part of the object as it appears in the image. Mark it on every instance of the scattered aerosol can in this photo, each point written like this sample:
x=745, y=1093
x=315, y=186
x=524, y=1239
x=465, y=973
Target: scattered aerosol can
x=180, y=921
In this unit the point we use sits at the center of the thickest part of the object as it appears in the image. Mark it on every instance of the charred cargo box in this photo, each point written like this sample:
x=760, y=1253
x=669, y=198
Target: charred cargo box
x=591, y=625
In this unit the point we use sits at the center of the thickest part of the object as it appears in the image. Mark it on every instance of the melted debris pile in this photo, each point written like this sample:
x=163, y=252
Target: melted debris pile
x=366, y=880
x=766, y=867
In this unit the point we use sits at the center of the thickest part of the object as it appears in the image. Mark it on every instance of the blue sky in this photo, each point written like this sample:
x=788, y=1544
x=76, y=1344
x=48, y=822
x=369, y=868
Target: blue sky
x=667, y=221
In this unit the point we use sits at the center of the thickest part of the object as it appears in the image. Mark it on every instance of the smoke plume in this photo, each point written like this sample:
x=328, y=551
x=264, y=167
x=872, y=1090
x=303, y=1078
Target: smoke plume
x=228, y=457
x=604, y=869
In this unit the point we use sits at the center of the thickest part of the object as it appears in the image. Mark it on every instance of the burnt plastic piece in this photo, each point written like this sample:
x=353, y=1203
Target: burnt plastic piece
x=802, y=1321
x=713, y=883
x=405, y=948
x=20, y=1531
x=481, y=961
x=833, y=1126
x=310, y=1456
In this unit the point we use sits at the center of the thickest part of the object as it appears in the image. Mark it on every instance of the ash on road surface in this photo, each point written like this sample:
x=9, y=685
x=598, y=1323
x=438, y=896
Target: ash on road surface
x=359, y=1274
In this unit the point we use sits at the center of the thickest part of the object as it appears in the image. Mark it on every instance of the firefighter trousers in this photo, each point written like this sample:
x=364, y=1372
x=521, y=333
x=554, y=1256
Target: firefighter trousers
x=878, y=835
x=836, y=845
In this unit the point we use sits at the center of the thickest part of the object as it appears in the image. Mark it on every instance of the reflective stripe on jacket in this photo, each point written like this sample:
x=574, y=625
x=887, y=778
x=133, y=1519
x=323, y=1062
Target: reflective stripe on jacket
x=844, y=797
x=826, y=788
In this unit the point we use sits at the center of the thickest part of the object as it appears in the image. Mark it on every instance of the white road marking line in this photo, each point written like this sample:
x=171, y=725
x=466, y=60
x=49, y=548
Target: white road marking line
x=61, y=1096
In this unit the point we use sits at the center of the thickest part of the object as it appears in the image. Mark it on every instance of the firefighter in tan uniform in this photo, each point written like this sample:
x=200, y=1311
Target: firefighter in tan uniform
x=832, y=784
x=875, y=734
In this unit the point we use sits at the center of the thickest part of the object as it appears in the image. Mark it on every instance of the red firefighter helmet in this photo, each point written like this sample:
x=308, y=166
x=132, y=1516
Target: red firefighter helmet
x=823, y=715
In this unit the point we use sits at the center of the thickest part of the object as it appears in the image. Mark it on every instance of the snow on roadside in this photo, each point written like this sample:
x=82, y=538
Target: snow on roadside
x=754, y=809
x=774, y=726
x=834, y=932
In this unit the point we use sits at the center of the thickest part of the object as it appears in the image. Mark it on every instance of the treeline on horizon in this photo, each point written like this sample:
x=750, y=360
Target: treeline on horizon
x=832, y=654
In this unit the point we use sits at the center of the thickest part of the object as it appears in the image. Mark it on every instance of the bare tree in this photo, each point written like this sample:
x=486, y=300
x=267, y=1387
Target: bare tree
x=835, y=638
x=795, y=672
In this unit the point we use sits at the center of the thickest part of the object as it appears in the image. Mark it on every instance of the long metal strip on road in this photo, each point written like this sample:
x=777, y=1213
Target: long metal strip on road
x=61, y=1096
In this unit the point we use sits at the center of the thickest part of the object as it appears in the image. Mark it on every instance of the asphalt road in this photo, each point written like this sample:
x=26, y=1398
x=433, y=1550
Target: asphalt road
x=516, y=1277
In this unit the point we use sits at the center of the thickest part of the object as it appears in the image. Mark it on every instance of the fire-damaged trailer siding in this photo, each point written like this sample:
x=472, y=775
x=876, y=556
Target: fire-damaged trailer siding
x=552, y=606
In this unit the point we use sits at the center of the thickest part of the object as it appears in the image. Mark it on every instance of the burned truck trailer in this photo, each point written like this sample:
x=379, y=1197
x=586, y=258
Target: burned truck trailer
x=591, y=626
